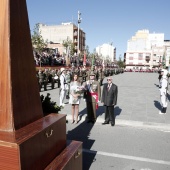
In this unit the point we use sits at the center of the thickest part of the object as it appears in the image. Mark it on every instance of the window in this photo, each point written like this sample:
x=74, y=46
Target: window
x=131, y=54
x=140, y=55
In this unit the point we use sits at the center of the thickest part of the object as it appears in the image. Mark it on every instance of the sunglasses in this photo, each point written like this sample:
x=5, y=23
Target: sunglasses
x=109, y=79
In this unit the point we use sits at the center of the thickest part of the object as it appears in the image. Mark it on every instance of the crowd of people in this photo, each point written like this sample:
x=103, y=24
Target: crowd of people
x=80, y=82
x=51, y=76
x=46, y=59
x=56, y=59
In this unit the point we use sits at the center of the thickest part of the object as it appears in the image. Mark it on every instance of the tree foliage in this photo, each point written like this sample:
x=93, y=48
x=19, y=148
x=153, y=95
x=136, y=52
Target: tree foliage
x=49, y=106
x=37, y=40
x=120, y=63
x=69, y=45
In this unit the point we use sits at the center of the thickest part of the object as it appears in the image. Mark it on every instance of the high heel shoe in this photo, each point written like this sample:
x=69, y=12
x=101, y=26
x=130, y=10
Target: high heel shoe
x=72, y=121
x=76, y=122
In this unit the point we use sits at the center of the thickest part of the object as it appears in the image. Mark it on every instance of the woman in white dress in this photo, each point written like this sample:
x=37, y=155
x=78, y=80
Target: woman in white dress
x=74, y=99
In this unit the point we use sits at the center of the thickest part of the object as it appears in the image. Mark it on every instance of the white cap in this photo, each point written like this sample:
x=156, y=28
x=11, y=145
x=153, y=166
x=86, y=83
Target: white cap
x=62, y=69
x=165, y=72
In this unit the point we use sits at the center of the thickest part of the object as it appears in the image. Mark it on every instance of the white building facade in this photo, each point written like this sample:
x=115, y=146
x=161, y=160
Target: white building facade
x=107, y=51
x=146, y=51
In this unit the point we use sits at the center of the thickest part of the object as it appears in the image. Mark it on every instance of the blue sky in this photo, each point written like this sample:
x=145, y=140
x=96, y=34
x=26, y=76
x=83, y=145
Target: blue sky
x=105, y=21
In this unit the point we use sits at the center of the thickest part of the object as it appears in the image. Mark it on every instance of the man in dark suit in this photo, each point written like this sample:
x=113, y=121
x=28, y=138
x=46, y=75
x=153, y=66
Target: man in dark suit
x=109, y=99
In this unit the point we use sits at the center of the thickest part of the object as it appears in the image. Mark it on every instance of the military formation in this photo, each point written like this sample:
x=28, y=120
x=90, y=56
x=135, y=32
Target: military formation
x=51, y=77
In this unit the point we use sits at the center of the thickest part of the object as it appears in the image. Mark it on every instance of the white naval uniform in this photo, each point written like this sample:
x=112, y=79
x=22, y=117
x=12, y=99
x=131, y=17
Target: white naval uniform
x=163, y=91
x=62, y=89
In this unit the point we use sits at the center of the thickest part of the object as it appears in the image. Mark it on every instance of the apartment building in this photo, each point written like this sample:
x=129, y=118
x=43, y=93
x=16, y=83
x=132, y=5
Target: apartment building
x=146, y=51
x=107, y=51
x=167, y=52
x=56, y=34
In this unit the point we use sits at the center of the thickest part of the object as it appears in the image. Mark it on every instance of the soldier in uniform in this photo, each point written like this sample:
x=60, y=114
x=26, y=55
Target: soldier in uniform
x=100, y=76
x=68, y=80
x=95, y=70
x=46, y=78
x=58, y=74
x=84, y=73
x=41, y=80
x=72, y=71
x=80, y=75
x=92, y=96
x=63, y=87
x=105, y=72
x=52, y=75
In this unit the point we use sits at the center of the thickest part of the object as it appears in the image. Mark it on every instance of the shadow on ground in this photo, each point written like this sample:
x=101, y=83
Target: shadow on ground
x=118, y=111
x=100, y=111
x=168, y=96
x=157, y=105
x=82, y=133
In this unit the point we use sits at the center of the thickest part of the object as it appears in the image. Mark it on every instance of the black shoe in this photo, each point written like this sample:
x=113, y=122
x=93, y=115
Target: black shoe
x=112, y=123
x=89, y=121
x=93, y=121
x=105, y=123
x=164, y=110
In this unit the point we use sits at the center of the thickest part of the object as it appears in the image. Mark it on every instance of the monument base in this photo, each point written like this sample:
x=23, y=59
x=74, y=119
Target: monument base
x=34, y=146
x=70, y=158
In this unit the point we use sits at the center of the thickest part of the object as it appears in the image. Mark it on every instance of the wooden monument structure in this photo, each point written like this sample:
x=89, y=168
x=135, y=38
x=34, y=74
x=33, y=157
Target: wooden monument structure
x=28, y=141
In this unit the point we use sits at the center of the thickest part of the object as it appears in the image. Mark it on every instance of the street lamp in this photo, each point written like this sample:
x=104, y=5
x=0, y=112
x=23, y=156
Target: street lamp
x=79, y=21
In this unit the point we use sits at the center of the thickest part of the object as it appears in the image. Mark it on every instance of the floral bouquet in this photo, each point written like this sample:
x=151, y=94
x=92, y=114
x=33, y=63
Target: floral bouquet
x=79, y=90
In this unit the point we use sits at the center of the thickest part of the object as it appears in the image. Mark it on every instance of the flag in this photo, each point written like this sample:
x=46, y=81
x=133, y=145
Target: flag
x=84, y=60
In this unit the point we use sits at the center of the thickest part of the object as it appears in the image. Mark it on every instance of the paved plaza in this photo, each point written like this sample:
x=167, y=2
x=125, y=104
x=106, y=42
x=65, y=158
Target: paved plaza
x=140, y=138
x=138, y=102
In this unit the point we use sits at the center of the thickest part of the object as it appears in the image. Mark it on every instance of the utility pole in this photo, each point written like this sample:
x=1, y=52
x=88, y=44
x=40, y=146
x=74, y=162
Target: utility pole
x=79, y=21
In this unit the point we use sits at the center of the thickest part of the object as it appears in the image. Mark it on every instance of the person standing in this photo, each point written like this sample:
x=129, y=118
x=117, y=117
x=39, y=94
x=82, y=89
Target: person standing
x=74, y=98
x=84, y=73
x=109, y=99
x=80, y=75
x=63, y=85
x=163, y=90
x=100, y=76
x=68, y=80
x=92, y=96
x=159, y=78
x=52, y=75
